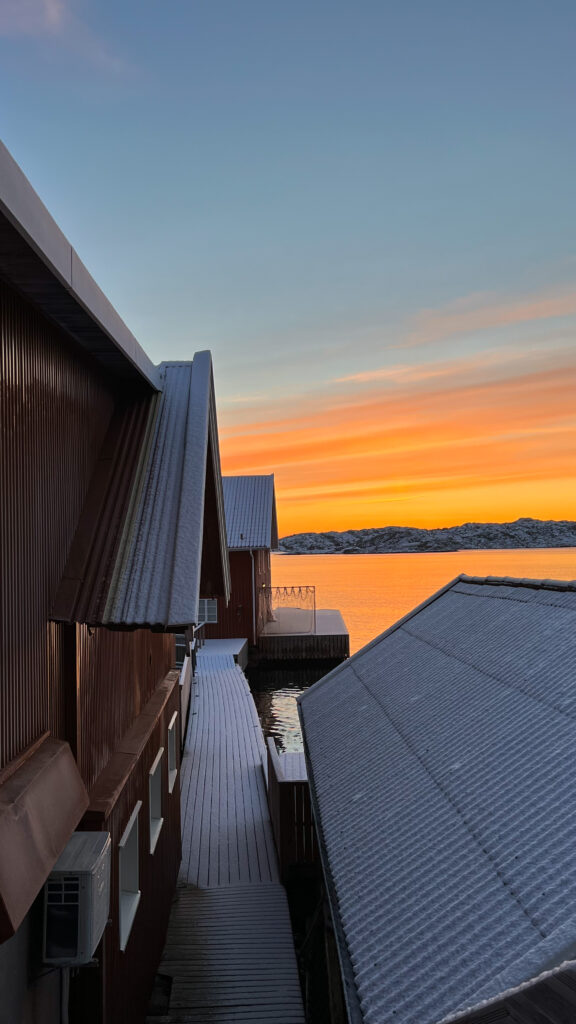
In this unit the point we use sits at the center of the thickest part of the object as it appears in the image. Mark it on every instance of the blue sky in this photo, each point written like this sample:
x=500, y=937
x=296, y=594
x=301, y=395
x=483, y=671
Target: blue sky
x=305, y=188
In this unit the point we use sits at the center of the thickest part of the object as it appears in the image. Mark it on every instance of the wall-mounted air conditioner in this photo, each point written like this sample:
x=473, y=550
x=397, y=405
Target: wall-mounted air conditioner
x=77, y=899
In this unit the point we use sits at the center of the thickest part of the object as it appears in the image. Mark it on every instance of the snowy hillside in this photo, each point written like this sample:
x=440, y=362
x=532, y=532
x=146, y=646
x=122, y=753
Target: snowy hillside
x=524, y=533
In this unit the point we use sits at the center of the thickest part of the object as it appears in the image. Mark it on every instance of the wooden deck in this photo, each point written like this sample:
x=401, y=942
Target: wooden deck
x=229, y=948
x=293, y=637
x=231, y=956
x=294, y=766
x=226, y=831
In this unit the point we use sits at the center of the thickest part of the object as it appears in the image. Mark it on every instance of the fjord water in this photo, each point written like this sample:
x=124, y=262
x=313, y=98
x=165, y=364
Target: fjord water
x=374, y=591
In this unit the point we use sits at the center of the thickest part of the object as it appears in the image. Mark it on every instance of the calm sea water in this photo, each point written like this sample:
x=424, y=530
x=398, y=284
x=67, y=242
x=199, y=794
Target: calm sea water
x=374, y=591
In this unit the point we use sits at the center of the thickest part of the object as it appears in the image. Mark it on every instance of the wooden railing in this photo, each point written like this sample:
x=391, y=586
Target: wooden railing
x=291, y=814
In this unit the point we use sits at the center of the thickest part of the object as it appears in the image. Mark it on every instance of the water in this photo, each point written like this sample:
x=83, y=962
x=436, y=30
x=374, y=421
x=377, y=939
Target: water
x=373, y=592
x=275, y=692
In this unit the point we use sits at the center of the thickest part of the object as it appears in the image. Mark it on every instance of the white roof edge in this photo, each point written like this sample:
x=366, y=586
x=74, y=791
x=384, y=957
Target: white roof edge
x=27, y=213
x=461, y=1016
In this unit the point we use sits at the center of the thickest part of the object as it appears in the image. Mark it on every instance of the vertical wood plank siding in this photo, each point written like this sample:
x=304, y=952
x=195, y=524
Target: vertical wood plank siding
x=118, y=673
x=55, y=409
x=237, y=619
x=129, y=975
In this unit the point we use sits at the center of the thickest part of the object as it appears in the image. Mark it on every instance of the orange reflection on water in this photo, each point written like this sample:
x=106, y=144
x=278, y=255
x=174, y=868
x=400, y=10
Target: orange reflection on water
x=374, y=591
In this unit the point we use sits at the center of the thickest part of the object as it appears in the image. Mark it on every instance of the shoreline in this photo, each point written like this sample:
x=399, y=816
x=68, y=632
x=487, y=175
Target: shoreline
x=436, y=551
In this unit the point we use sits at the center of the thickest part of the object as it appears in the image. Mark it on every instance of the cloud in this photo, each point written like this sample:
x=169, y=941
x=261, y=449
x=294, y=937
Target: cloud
x=32, y=17
x=480, y=312
x=494, y=425
x=56, y=20
x=409, y=373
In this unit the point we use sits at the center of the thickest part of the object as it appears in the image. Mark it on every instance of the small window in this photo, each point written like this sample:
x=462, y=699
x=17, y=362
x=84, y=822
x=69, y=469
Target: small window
x=155, y=789
x=181, y=649
x=128, y=857
x=172, y=752
x=207, y=610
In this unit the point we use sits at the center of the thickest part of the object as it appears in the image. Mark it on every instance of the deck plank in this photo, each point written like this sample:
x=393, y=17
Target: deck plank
x=229, y=947
x=227, y=835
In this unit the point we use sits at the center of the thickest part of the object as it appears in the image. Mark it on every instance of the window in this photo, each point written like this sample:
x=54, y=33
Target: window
x=172, y=752
x=128, y=858
x=155, y=789
x=181, y=649
x=207, y=609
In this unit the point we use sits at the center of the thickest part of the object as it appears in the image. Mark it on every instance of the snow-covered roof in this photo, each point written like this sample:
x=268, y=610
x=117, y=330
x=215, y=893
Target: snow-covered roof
x=443, y=777
x=250, y=506
x=151, y=573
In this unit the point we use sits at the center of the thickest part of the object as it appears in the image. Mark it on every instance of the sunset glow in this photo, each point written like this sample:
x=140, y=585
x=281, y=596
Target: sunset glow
x=364, y=211
x=491, y=437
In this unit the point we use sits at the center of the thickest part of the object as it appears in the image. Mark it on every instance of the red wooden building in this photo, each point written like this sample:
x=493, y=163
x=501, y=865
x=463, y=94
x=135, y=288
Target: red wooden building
x=112, y=522
x=252, y=530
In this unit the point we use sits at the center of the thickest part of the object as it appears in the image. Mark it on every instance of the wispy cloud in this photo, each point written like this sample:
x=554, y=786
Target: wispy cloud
x=416, y=373
x=482, y=312
x=57, y=20
x=32, y=17
x=492, y=428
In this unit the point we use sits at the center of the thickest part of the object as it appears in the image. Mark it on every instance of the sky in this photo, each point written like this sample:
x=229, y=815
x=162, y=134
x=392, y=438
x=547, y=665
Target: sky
x=365, y=210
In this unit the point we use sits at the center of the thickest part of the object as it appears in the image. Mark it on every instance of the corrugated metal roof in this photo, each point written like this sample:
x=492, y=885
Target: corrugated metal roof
x=157, y=575
x=250, y=506
x=143, y=543
x=443, y=774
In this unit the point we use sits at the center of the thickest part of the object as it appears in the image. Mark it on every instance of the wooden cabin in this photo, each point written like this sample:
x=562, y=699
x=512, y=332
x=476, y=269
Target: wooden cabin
x=443, y=783
x=252, y=532
x=112, y=522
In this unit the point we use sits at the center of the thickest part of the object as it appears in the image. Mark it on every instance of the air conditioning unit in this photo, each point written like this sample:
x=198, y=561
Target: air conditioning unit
x=77, y=900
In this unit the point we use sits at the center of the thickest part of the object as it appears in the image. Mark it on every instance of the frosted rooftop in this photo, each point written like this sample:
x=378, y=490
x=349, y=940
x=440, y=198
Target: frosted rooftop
x=442, y=768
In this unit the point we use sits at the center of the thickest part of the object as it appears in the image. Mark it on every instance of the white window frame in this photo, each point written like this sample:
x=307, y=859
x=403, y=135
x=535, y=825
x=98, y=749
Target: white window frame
x=155, y=799
x=172, y=752
x=207, y=610
x=129, y=876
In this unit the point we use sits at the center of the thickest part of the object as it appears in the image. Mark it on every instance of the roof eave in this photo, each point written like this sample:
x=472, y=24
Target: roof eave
x=37, y=259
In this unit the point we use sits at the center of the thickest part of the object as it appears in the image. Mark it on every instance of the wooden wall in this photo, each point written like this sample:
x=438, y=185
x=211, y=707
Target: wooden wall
x=118, y=673
x=237, y=620
x=90, y=687
x=118, y=991
x=55, y=411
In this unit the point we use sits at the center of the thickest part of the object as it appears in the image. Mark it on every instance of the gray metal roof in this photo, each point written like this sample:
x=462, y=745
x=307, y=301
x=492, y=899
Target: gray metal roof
x=250, y=506
x=443, y=774
x=156, y=579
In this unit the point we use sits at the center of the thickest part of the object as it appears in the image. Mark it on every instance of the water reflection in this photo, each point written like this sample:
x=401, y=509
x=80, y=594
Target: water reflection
x=372, y=592
x=275, y=691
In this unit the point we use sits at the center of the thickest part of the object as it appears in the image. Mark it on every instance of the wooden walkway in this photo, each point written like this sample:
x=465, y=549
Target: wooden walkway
x=226, y=830
x=231, y=955
x=229, y=949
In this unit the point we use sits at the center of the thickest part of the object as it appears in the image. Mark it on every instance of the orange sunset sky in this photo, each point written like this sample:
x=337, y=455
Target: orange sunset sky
x=485, y=432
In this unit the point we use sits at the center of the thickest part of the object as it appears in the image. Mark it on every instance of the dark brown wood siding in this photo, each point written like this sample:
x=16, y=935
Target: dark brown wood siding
x=123, y=987
x=55, y=410
x=237, y=619
x=118, y=673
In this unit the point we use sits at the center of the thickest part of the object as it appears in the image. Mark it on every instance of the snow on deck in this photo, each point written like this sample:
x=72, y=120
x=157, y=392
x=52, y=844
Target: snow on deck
x=229, y=948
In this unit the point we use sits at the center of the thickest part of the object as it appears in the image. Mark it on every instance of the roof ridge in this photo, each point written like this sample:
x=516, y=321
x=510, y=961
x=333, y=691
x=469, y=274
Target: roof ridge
x=520, y=581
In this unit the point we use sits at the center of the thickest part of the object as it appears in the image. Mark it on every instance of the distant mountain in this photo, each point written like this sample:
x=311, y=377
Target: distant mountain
x=524, y=533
